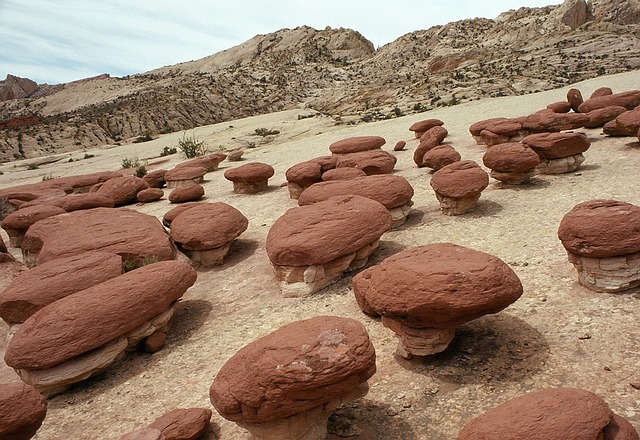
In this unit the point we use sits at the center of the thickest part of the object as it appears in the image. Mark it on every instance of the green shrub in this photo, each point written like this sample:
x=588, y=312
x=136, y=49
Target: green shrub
x=166, y=151
x=135, y=263
x=145, y=137
x=141, y=171
x=192, y=147
x=128, y=162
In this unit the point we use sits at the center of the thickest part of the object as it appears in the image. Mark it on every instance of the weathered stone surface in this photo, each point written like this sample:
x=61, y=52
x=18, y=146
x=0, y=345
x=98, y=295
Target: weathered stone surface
x=10, y=268
x=126, y=232
x=460, y=179
x=557, y=145
x=155, y=179
x=183, y=423
x=18, y=222
x=399, y=146
x=371, y=162
x=476, y=128
x=342, y=174
x=184, y=176
x=601, y=228
x=144, y=434
x=420, y=127
x=601, y=91
x=620, y=429
x=511, y=163
x=150, y=195
x=122, y=190
x=235, y=155
x=186, y=193
x=548, y=121
x=170, y=215
x=250, y=178
x=73, y=202
x=560, y=107
x=301, y=176
x=326, y=162
x=628, y=100
x=440, y=156
x=209, y=161
x=88, y=319
x=574, y=96
x=298, y=367
x=607, y=274
x=626, y=124
x=562, y=165
x=34, y=289
x=356, y=144
x=22, y=411
x=599, y=117
x=566, y=413
x=430, y=139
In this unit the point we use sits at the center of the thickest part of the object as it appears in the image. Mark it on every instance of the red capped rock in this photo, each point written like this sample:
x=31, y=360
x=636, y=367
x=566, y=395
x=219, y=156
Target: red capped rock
x=250, y=178
x=511, y=163
x=22, y=411
x=548, y=121
x=126, y=232
x=150, y=195
x=628, y=100
x=186, y=193
x=500, y=131
x=205, y=232
x=575, y=99
x=208, y=161
x=430, y=139
x=440, y=156
x=18, y=222
x=155, y=179
x=357, y=144
x=626, y=124
x=310, y=246
x=34, y=289
x=458, y=186
x=173, y=213
x=371, y=162
x=326, y=162
x=184, y=176
x=342, y=174
x=301, y=176
x=559, y=152
x=326, y=360
x=420, y=127
x=423, y=293
x=183, y=423
x=562, y=413
x=476, y=128
x=560, y=107
x=599, y=117
x=122, y=190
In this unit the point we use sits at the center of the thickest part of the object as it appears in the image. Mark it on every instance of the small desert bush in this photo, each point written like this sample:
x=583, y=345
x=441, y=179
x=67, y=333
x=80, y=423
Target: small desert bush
x=128, y=162
x=48, y=177
x=192, y=146
x=129, y=265
x=265, y=132
x=141, y=171
x=166, y=151
x=145, y=137
x=32, y=166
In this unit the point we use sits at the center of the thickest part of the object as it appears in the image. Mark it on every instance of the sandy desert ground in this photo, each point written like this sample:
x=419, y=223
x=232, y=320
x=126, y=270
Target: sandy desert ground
x=558, y=334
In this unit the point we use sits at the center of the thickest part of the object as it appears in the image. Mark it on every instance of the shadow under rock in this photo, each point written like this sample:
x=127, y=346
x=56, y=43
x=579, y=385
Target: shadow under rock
x=484, y=208
x=496, y=348
x=366, y=420
x=588, y=167
x=633, y=144
x=239, y=251
x=534, y=183
x=414, y=218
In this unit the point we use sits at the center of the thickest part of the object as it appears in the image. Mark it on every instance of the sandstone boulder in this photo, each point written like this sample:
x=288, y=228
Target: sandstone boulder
x=209, y=161
x=601, y=91
x=511, y=163
x=22, y=411
x=155, y=179
x=628, y=100
x=357, y=144
x=599, y=117
x=186, y=193
x=326, y=162
x=399, y=146
x=183, y=423
x=458, y=186
x=342, y=174
x=174, y=212
x=182, y=176
x=440, y=156
x=122, y=190
x=371, y=162
x=420, y=127
x=548, y=121
x=301, y=176
x=235, y=155
x=18, y=222
x=150, y=195
x=430, y=139
x=574, y=96
x=559, y=152
x=626, y=124
x=74, y=202
x=250, y=178
x=560, y=107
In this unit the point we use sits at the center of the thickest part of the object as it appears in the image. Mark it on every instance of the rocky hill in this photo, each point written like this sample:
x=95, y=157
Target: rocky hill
x=335, y=71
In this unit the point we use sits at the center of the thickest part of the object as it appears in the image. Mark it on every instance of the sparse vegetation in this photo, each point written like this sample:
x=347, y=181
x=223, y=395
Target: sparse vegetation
x=46, y=177
x=88, y=156
x=145, y=137
x=5, y=208
x=166, y=151
x=141, y=171
x=192, y=146
x=135, y=263
x=128, y=162
x=265, y=132
x=32, y=166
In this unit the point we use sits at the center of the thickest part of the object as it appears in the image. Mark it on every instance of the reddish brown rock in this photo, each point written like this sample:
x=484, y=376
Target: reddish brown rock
x=301, y=176
x=18, y=222
x=599, y=117
x=420, y=127
x=183, y=423
x=628, y=100
x=205, y=232
x=423, y=293
x=10, y=268
x=440, y=156
x=184, y=176
x=399, y=146
x=209, y=161
x=326, y=162
x=548, y=121
x=174, y=212
x=560, y=107
x=371, y=162
x=155, y=342
x=511, y=163
x=430, y=139
x=602, y=91
x=575, y=99
x=22, y=411
x=458, y=186
x=186, y=193
x=626, y=124
x=286, y=384
x=235, y=155
x=34, y=289
x=357, y=144
x=311, y=246
x=554, y=413
x=150, y=195
x=559, y=152
x=155, y=179
x=126, y=232
x=476, y=128
x=74, y=202
x=342, y=174
x=250, y=178
x=498, y=131
x=122, y=190
x=394, y=192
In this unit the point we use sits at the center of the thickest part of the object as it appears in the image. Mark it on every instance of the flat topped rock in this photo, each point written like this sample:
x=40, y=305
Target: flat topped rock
x=420, y=127
x=183, y=423
x=250, y=172
x=439, y=285
x=513, y=157
x=390, y=190
x=300, y=366
x=554, y=413
x=22, y=411
x=324, y=231
x=195, y=173
x=126, y=232
x=122, y=190
x=305, y=173
x=601, y=228
x=208, y=161
x=208, y=226
x=557, y=145
x=34, y=289
x=629, y=100
x=342, y=174
x=22, y=219
x=460, y=179
x=356, y=144
x=186, y=193
x=74, y=202
x=95, y=316
x=371, y=162
x=170, y=215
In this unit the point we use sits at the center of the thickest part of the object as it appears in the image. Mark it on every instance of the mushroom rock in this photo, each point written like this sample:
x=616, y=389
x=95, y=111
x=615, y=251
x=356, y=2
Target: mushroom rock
x=553, y=413
x=560, y=107
x=371, y=162
x=342, y=174
x=150, y=195
x=393, y=192
x=186, y=193
x=126, y=232
x=356, y=144
x=22, y=411
x=430, y=139
x=602, y=239
x=250, y=178
x=628, y=100
x=122, y=190
x=18, y=222
x=548, y=121
x=174, y=212
x=602, y=91
x=458, y=186
x=399, y=146
x=626, y=124
x=420, y=127
x=182, y=176
x=424, y=293
x=36, y=288
x=559, y=152
x=311, y=246
x=235, y=155
x=326, y=162
x=478, y=127
x=286, y=384
x=440, y=156
x=599, y=117
x=512, y=163
x=81, y=334
x=301, y=176
x=210, y=161
x=183, y=423
x=205, y=232
x=575, y=99
x=155, y=179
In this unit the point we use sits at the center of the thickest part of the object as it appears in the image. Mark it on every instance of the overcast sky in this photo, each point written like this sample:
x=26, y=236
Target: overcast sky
x=56, y=41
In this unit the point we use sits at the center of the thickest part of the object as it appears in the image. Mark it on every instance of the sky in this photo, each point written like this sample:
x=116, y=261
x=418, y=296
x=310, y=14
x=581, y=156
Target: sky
x=56, y=41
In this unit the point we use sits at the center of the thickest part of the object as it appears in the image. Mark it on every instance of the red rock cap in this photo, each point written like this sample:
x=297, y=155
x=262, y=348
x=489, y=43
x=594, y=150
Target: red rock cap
x=208, y=226
x=460, y=179
x=23, y=410
x=371, y=162
x=440, y=156
x=421, y=126
x=186, y=193
x=557, y=145
x=356, y=144
x=342, y=174
x=511, y=157
x=305, y=173
x=22, y=219
x=250, y=172
x=183, y=423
